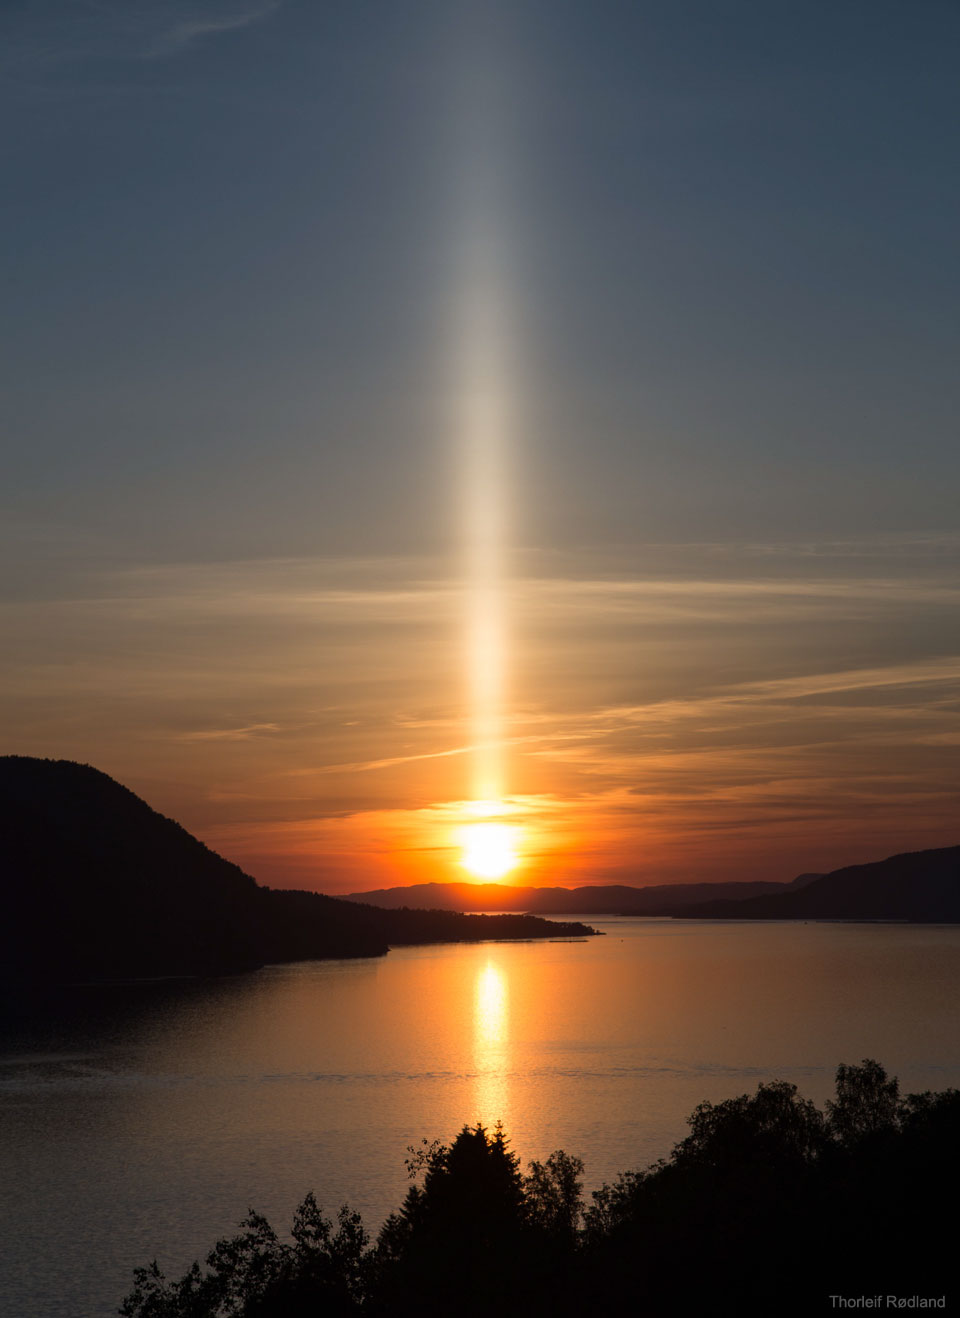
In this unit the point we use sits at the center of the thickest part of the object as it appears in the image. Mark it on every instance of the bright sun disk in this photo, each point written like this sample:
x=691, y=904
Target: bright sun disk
x=489, y=850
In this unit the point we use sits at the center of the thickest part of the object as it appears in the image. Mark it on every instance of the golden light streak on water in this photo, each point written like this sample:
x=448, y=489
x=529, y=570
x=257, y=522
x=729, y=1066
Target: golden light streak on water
x=491, y=1043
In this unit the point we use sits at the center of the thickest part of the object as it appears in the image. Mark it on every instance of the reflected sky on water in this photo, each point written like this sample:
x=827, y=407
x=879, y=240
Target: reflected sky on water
x=146, y=1120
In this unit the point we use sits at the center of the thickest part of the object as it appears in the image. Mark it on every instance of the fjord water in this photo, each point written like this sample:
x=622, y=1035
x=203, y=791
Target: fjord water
x=145, y=1121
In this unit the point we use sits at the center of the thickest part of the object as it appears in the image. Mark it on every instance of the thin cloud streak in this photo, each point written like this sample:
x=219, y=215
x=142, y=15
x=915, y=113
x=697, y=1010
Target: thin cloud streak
x=47, y=36
x=186, y=32
x=229, y=734
x=305, y=588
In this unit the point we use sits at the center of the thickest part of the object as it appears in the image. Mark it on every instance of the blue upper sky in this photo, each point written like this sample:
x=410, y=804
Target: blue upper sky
x=228, y=232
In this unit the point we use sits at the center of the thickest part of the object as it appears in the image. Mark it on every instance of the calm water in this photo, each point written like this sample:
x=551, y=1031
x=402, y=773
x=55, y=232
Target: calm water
x=149, y=1121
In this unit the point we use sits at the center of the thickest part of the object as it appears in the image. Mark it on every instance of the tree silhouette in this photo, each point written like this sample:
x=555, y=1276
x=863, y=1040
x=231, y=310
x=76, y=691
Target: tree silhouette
x=554, y=1196
x=456, y=1238
x=867, y=1103
x=255, y=1275
x=766, y=1205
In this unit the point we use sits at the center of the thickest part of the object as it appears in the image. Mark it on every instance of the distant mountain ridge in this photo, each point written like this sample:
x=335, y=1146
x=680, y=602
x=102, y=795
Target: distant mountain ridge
x=916, y=886
x=919, y=886
x=94, y=884
x=608, y=899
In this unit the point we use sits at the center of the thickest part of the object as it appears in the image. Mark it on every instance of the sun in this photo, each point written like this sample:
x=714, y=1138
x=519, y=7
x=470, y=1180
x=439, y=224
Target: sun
x=489, y=850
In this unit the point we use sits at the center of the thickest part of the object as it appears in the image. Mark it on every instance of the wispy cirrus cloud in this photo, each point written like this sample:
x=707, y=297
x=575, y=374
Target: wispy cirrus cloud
x=229, y=734
x=56, y=33
x=205, y=22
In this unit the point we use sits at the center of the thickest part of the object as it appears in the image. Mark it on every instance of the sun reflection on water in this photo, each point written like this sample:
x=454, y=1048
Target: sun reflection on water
x=491, y=1044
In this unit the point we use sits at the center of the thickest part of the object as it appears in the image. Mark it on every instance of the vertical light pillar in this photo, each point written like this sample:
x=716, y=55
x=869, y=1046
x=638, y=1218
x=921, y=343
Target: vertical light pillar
x=484, y=424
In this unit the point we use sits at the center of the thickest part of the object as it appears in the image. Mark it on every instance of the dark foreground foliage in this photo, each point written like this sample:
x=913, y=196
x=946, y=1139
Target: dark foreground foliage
x=769, y=1206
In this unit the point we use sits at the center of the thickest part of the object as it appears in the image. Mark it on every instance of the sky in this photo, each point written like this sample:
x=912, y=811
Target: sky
x=235, y=571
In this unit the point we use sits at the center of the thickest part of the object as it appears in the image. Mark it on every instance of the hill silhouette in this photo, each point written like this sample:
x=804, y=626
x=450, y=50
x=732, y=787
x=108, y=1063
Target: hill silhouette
x=921, y=886
x=598, y=899
x=97, y=885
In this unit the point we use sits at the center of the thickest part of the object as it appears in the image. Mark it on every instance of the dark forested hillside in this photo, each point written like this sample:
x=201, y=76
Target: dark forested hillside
x=95, y=884
x=916, y=886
